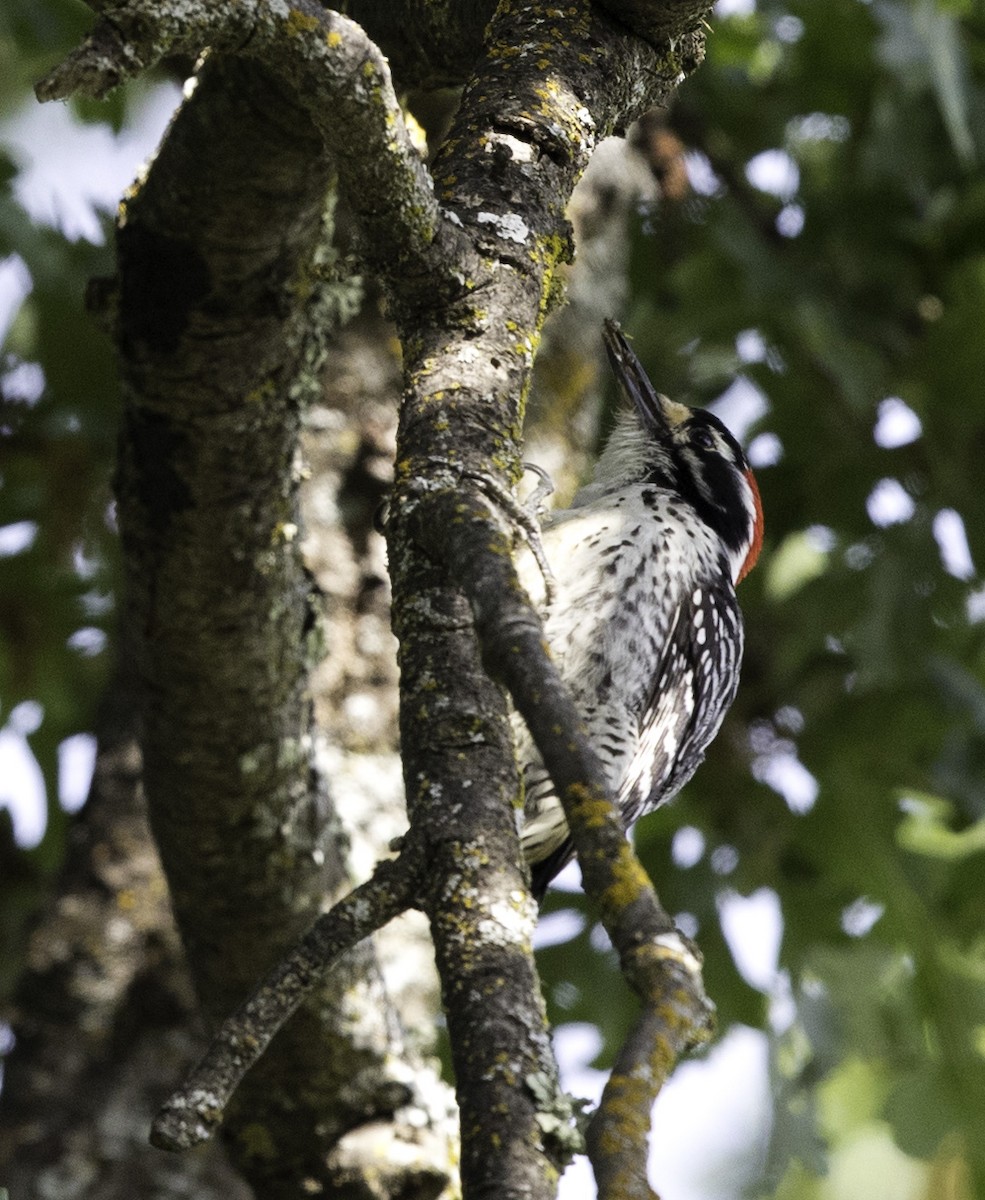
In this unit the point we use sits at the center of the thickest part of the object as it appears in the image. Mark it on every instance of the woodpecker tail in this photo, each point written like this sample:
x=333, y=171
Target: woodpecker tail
x=541, y=873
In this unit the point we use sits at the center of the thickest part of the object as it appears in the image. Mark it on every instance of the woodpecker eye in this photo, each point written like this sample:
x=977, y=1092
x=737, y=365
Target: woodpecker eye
x=703, y=437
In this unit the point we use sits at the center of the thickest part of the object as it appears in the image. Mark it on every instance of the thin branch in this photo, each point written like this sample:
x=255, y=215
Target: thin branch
x=193, y=1113
x=676, y=1016
x=658, y=964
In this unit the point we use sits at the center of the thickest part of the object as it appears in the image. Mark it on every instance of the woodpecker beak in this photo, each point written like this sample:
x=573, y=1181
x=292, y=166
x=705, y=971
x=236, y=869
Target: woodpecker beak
x=657, y=413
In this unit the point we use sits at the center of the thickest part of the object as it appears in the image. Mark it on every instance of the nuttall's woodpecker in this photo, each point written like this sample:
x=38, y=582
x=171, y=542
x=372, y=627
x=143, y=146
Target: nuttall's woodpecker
x=643, y=625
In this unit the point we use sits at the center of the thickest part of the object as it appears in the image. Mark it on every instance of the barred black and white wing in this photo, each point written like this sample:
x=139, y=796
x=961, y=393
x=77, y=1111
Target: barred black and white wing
x=692, y=690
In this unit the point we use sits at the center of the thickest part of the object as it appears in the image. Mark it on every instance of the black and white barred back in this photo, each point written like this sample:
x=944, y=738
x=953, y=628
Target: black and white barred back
x=644, y=625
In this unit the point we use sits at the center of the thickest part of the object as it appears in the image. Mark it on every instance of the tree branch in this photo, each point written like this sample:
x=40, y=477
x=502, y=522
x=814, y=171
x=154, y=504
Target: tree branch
x=347, y=93
x=659, y=965
x=506, y=171
x=192, y=1114
x=671, y=25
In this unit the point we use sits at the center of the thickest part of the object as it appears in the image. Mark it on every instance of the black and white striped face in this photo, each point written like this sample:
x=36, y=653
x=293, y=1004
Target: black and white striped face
x=688, y=451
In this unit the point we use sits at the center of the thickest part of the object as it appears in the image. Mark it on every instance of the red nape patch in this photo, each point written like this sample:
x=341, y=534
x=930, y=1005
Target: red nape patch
x=757, y=530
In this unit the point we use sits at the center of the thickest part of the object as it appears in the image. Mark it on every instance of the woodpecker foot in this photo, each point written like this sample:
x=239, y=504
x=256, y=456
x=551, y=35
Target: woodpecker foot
x=534, y=503
x=525, y=517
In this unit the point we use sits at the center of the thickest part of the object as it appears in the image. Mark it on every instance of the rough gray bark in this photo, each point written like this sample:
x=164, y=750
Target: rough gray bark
x=105, y=1013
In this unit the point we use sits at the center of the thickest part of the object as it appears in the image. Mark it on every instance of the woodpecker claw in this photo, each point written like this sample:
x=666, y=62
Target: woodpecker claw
x=534, y=503
x=525, y=518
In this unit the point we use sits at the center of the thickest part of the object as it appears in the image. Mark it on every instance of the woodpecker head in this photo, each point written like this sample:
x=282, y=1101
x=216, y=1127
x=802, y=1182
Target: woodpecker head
x=688, y=451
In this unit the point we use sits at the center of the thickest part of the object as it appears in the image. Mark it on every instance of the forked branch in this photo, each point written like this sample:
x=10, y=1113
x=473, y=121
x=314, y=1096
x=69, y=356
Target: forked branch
x=471, y=279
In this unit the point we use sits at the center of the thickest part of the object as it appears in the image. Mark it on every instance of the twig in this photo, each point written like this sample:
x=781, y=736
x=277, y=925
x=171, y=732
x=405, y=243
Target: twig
x=675, y=1017
x=192, y=1114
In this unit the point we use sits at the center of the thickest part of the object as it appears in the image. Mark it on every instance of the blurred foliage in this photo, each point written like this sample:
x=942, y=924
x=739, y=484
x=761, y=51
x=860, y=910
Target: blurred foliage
x=58, y=418
x=853, y=274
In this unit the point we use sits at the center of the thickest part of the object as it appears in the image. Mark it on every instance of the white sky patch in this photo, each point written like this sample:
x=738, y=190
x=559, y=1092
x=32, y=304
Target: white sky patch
x=975, y=607
x=753, y=927
x=782, y=1006
x=76, y=763
x=88, y=641
x=781, y=770
x=688, y=924
x=576, y=1045
x=750, y=346
x=714, y=1115
x=724, y=859
x=889, y=503
x=24, y=382
x=896, y=424
x=96, y=604
x=25, y=718
x=860, y=916
x=600, y=939
x=70, y=169
x=557, y=927
x=735, y=8
x=687, y=847
x=740, y=406
x=952, y=541
x=789, y=717
x=774, y=172
x=789, y=29
x=569, y=880
x=17, y=537
x=7, y=1043
x=86, y=565
x=790, y=220
x=22, y=787
x=819, y=127
x=821, y=538
x=700, y=174
x=714, y=1119
x=15, y=286
x=577, y=1182
x=765, y=450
